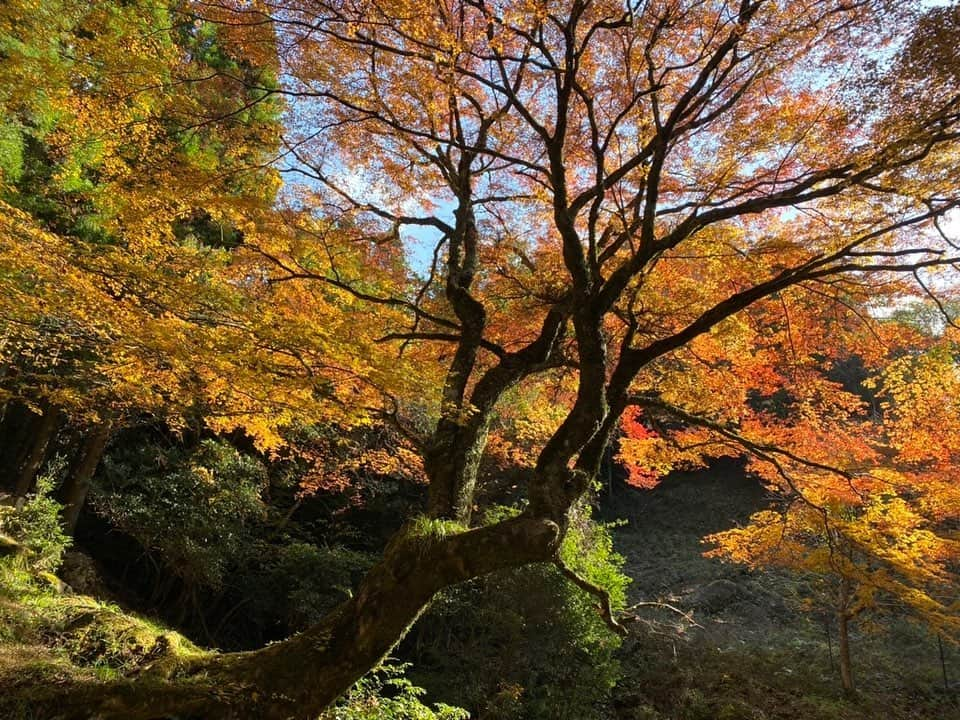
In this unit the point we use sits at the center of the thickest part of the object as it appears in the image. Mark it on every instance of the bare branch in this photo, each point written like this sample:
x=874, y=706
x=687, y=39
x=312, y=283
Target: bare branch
x=603, y=606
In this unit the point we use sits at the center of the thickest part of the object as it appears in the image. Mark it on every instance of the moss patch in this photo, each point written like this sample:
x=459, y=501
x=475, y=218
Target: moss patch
x=50, y=638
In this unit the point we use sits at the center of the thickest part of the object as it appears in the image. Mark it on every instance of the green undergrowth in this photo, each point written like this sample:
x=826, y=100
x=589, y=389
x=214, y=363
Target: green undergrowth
x=527, y=643
x=385, y=694
x=45, y=629
x=683, y=680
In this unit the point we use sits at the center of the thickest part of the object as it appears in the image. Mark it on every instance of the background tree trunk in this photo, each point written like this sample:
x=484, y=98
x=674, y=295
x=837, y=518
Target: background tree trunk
x=16, y=421
x=45, y=428
x=843, y=630
x=77, y=485
x=846, y=671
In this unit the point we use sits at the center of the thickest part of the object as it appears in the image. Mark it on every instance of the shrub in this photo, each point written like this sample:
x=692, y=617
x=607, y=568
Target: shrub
x=300, y=582
x=37, y=525
x=385, y=694
x=201, y=513
x=527, y=643
x=194, y=509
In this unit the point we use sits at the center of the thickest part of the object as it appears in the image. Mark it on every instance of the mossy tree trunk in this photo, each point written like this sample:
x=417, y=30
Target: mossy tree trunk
x=301, y=676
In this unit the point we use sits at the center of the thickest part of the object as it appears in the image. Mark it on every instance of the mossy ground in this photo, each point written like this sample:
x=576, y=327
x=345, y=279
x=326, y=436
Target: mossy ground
x=50, y=637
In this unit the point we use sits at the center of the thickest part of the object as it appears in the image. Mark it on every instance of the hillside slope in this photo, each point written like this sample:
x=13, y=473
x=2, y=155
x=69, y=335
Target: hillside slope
x=742, y=645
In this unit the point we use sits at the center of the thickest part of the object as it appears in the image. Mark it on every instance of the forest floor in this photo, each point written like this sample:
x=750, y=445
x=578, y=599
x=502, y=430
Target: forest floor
x=747, y=647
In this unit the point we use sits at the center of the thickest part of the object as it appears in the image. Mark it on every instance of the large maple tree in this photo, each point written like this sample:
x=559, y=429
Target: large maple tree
x=609, y=188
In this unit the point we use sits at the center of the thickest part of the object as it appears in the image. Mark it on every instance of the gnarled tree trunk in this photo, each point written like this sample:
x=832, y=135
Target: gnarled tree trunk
x=299, y=677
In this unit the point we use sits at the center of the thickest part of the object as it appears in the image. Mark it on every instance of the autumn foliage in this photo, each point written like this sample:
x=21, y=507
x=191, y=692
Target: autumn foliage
x=513, y=232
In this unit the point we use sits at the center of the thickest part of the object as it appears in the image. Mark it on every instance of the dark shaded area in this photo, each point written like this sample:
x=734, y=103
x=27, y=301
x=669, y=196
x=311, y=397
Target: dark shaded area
x=748, y=645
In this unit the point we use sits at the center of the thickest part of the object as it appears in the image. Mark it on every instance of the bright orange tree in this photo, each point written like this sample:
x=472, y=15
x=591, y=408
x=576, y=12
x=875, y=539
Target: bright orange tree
x=614, y=192
x=859, y=460
x=847, y=414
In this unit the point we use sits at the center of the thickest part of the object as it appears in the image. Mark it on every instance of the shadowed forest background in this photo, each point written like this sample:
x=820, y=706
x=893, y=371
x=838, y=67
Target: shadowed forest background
x=575, y=359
